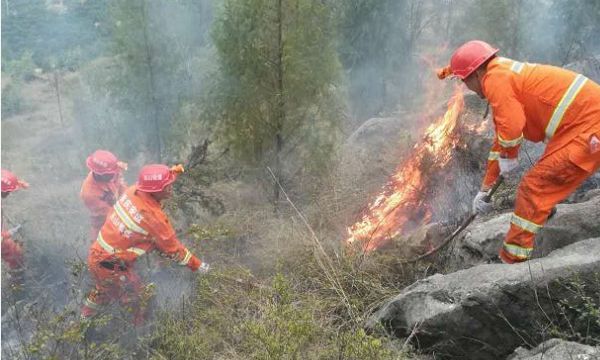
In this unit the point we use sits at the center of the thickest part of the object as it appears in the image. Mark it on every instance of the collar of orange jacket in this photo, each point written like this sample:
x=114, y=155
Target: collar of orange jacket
x=147, y=198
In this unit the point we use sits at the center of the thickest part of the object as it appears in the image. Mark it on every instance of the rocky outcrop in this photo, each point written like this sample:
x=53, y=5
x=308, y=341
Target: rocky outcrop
x=481, y=241
x=487, y=311
x=557, y=349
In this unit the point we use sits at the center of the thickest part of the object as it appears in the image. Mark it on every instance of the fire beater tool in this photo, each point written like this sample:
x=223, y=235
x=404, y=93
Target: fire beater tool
x=462, y=226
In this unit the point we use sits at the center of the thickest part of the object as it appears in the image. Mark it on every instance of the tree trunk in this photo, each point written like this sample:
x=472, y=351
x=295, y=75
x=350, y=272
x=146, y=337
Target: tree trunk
x=58, y=101
x=157, y=139
x=280, y=110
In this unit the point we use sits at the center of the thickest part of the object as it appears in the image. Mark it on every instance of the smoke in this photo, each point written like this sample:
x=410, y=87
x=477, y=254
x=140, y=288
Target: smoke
x=106, y=103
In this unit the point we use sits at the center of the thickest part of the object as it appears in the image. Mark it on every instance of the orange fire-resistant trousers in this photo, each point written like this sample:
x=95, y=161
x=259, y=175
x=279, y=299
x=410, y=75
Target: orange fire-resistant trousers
x=550, y=181
x=111, y=286
x=12, y=252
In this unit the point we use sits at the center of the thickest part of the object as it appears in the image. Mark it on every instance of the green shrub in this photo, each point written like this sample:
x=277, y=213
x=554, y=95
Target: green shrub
x=12, y=101
x=236, y=316
x=579, y=314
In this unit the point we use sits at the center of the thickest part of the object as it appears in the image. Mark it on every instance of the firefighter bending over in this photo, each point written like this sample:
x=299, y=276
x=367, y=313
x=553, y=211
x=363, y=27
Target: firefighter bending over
x=136, y=225
x=537, y=103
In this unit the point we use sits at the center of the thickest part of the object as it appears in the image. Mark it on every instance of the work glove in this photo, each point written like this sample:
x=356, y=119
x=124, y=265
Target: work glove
x=204, y=267
x=480, y=206
x=508, y=166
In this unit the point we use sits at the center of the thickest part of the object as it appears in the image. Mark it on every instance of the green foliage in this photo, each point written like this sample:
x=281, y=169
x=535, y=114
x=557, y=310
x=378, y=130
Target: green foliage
x=554, y=31
x=12, y=101
x=131, y=99
x=53, y=31
x=20, y=69
x=277, y=81
x=577, y=28
x=500, y=23
x=283, y=330
x=358, y=345
x=579, y=314
x=63, y=333
x=15, y=72
x=235, y=314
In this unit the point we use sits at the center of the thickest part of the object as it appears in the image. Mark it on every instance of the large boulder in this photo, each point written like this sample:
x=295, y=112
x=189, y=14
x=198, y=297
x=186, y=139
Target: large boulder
x=487, y=311
x=557, y=349
x=481, y=241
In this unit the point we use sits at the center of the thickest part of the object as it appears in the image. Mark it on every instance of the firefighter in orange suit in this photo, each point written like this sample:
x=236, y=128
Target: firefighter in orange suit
x=136, y=225
x=12, y=252
x=102, y=187
x=537, y=103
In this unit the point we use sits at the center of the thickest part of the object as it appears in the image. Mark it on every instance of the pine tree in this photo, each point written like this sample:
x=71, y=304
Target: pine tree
x=154, y=42
x=277, y=80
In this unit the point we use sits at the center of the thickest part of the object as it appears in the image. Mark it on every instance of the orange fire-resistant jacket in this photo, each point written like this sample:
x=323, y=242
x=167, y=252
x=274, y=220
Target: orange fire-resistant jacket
x=537, y=103
x=100, y=197
x=137, y=225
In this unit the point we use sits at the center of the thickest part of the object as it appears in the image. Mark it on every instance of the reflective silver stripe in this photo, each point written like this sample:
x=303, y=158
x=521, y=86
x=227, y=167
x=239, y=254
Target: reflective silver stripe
x=517, y=66
x=137, y=251
x=103, y=244
x=525, y=224
x=89, y=303
x=186, y=258
x=111, y=250
x=124, y=216
x=510, y=143
x=563, y=105
x=494, y=155
x=517, y=251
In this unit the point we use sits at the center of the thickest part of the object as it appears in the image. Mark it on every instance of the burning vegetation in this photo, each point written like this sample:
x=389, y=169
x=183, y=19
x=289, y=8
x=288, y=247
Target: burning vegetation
x=414, y=193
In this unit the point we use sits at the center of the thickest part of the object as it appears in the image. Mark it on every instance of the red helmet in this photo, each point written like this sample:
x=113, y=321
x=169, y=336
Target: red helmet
x=155, y=177
x=468, y=57
x=103, y=162
x=10, y=182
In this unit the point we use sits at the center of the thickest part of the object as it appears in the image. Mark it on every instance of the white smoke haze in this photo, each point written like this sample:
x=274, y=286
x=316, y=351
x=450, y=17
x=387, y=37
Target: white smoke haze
x=133, y=77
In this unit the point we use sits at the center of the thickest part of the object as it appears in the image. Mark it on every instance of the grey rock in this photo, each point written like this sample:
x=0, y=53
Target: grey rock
x=589, y=67
x=557, y=349
x=487, y=311
x=380, y=143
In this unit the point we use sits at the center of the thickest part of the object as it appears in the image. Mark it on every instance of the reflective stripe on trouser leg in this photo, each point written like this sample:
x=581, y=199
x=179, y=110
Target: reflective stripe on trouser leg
x=91, y=305
x=550, y=181
x=517, y=246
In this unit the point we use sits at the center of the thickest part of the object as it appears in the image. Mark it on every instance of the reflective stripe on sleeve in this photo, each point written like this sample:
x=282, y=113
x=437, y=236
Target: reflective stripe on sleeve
x=563, y=105
x=89, y=303
x=517, y=251
x=186, y=258
x=494, y=155
x=510, y=143
x=128, y=221
x=517, y=66
x=137, y=251
x=525, y=224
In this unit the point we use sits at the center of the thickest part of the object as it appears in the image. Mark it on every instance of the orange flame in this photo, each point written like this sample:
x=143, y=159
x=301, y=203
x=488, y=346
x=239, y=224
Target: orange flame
x=400, y=201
